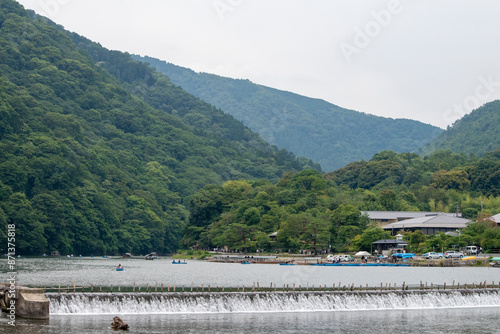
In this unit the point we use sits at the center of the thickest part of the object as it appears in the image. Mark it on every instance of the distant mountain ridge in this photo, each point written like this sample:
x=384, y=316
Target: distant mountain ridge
x=326, y=133
x=477, y=132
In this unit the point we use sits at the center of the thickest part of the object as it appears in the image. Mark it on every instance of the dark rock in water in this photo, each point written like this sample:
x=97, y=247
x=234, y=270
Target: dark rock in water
x=119, y=324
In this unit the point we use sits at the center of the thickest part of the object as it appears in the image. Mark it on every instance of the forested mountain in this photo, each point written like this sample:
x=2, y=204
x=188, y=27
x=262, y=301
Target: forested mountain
x=313, y=211
x=98, y=152
x=475, y=133
x=441, y=170
x=326, y=133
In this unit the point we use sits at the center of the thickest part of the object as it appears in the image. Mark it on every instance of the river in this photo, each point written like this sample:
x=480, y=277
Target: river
x=301, y=313
x=88, y=271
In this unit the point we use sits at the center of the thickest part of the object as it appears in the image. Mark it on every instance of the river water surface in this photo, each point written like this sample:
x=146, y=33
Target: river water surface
x=392, y=313
x=98, y=271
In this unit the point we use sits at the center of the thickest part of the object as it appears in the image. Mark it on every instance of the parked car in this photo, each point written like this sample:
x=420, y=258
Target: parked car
x=471, y=250
x=450, y=254
x=433, y=255
x=346, y=258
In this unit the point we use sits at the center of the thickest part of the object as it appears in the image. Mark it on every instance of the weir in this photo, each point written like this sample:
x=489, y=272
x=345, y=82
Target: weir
x=230, y=302
x=24, y=302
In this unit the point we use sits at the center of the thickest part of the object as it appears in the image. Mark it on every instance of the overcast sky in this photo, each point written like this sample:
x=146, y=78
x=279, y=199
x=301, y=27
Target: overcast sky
x=427, y=60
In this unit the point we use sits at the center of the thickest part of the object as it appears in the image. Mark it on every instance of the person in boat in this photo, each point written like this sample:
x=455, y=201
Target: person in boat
x=119, y=266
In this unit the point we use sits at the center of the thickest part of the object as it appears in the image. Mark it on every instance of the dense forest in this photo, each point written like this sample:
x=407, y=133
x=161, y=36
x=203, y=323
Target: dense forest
x=475, y=133
x=98, y=152
x=326, y=133
x=102, y=154
x=313, y=211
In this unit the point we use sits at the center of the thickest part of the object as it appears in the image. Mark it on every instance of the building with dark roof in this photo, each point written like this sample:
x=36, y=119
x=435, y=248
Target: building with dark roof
x=383, y=218
x=389, y=244
x=429, y=224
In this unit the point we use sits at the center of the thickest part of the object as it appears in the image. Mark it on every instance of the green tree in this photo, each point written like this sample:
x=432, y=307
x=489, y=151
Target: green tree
x=388, y=200
x=251, y=216
x=308, y=179
x=347, y=222
x=455, y=179
x=29, y=231
x=364, y=241
x=205, y=206
x=416, y=241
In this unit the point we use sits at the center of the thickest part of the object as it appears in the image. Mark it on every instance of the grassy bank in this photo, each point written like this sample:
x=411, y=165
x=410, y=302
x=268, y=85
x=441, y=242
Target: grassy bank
x=191, y=254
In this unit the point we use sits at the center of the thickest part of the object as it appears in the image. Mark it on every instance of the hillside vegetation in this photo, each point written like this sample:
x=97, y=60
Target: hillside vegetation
x=326, y=133
x=475, y=133
x=310, y=211
x=98, y=152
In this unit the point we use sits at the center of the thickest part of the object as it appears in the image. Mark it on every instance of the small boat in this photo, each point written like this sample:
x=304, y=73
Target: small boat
x=286, y=264
x=245, y=262
x=174, y=262
x=465, y=258
x=119, y=269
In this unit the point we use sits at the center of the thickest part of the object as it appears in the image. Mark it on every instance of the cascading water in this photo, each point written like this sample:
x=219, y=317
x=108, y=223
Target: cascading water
x=172, y=303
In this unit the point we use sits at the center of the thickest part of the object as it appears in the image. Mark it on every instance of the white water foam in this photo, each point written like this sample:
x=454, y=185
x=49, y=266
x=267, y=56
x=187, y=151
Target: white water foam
x=175, y=303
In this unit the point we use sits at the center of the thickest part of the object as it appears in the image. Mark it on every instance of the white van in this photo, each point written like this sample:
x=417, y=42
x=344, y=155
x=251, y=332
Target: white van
x=471, y=250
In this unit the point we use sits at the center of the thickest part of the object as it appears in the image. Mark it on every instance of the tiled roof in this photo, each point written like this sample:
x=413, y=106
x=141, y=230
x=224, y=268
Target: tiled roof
x=390, y=241
x=394, y=215
x=439, y=221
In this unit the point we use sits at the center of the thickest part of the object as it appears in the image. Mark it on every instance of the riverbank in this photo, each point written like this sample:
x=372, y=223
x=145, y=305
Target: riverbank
x=191, y=255
x=289, y=259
